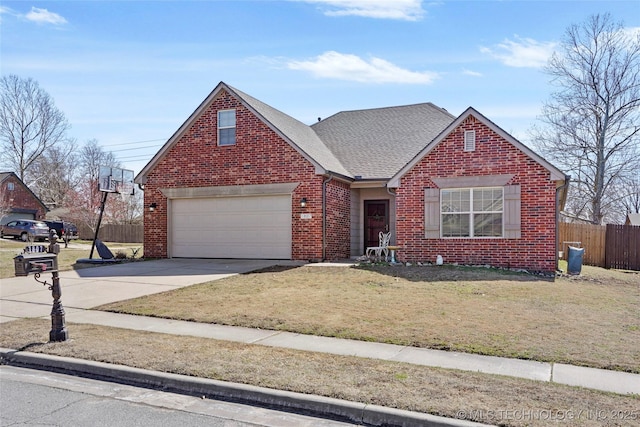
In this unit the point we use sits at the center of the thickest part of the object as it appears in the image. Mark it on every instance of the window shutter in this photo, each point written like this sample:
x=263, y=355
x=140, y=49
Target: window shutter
x=469, y=140
x=432, y=213
x=512, y=212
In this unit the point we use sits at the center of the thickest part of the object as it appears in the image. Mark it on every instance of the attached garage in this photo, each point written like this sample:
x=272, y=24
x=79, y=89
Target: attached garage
x=253, y=226
x=17, y=215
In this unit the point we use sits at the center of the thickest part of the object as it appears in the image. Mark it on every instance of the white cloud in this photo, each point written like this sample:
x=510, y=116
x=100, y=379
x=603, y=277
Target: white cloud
x=335, y=65
x=632, y=32
x=43, y=16
x=523, y=52
x=471, y=73
x=7, y=11
x=407, y=10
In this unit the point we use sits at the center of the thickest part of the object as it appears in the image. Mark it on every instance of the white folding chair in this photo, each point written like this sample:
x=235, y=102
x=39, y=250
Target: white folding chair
x=383, y=246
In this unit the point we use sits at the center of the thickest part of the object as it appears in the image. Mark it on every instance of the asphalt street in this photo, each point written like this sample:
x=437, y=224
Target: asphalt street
x=39, y=398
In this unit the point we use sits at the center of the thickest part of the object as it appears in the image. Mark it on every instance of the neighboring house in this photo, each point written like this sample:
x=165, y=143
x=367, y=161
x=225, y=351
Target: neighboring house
x=633, y=219
x=17, y=201
x=240, y=179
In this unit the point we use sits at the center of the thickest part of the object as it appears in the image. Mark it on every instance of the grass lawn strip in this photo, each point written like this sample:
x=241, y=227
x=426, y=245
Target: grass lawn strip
x=67, y=257
x=590, y=320
x=479, y=397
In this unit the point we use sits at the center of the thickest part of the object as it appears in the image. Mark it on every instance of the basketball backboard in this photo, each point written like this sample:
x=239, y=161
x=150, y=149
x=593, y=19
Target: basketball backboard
x=115, y=180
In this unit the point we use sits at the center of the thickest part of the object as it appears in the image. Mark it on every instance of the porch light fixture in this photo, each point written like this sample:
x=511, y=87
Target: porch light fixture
x=303, y=202
x=152, y=207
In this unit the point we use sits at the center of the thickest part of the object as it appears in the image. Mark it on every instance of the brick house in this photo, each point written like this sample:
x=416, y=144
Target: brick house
x=240, y=179
x=17, y=201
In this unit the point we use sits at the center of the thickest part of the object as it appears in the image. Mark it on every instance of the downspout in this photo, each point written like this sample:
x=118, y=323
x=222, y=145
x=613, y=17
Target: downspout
x=392, y=193
x=395, y=231
x=324, y=215
x=567, y=178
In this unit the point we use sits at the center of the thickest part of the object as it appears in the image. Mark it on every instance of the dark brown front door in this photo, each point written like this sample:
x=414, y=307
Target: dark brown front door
x=376, y=219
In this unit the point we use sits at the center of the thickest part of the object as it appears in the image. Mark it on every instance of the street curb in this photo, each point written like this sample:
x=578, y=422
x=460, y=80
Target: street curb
x=306, y=404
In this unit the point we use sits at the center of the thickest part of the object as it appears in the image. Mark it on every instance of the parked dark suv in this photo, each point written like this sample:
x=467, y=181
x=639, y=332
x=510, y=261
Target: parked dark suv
x=25, y=229
x=65, y=230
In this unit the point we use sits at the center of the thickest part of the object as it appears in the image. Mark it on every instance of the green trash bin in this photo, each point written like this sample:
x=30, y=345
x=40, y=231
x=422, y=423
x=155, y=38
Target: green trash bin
x=574, y=260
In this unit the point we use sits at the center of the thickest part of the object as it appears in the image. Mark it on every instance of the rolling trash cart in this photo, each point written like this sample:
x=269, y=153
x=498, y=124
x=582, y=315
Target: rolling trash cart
x=574, y=260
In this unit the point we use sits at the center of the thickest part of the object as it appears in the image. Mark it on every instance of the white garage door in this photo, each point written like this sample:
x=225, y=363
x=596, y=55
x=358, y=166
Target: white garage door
x=13, y=216
x=257, y=227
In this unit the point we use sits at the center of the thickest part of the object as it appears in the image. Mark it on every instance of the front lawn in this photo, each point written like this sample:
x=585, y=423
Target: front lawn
x=591, y=319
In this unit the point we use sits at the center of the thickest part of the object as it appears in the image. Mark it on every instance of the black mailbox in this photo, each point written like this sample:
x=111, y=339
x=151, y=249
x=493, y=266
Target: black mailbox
x=35, y=263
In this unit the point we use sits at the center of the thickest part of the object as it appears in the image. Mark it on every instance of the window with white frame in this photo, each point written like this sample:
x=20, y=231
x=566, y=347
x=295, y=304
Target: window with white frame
x=226, y=127
x=472, y=212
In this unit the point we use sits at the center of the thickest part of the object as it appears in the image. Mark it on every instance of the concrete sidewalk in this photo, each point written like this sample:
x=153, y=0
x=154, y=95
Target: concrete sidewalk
x=598, y=379
x=86, y=288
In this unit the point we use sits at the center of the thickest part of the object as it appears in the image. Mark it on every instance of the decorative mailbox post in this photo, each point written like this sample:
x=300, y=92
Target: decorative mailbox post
x=37, y=263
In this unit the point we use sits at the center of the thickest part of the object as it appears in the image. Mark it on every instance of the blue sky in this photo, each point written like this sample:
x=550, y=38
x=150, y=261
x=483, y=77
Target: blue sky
x=129, y=73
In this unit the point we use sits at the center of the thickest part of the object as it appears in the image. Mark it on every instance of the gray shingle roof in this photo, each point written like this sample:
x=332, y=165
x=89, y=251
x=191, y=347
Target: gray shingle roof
x=377, y=143
x=371, y=144
x=297, y=132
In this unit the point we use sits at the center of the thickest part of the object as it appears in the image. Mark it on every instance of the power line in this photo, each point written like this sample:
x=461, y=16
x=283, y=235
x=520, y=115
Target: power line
x=137, y=142
x=138, y=157
x=135, y=148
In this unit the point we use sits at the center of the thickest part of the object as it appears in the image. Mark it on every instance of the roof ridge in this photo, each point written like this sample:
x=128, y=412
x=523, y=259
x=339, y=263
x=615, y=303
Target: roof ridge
x=390, y=107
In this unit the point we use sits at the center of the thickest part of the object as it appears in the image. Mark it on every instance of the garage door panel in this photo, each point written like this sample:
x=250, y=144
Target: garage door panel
x=232, y=227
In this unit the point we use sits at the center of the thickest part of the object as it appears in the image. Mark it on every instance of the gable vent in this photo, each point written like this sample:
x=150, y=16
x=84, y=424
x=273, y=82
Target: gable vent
x=469, y=140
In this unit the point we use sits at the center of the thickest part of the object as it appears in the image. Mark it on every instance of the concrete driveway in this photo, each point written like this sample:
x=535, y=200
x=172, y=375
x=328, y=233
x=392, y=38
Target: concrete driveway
x=89, y=287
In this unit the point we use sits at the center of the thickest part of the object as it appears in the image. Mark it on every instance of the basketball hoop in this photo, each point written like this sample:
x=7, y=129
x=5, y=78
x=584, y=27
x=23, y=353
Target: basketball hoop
x=115, y=180
x=112, y=180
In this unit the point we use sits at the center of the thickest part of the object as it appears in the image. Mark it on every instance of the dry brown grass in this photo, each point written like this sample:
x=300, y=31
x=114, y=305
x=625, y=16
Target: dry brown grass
x=486, y=398
x=9, y=248
x=591, y=319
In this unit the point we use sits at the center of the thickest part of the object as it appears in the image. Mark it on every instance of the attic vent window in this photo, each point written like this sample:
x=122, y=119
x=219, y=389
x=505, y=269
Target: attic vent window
x=469, y=140
x=227, y=127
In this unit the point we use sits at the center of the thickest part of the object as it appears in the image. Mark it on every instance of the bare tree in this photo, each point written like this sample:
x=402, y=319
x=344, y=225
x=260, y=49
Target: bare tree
x=29, y=123
x=85, y=204
x=92, y=156
x=57, y=174
x=124, y=209
x=593, y=120
x=631, y=203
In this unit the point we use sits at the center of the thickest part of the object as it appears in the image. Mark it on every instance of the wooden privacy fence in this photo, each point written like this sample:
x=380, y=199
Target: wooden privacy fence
x=610, y=246
x=591, y=238
x=623, y=247
x=121, y=233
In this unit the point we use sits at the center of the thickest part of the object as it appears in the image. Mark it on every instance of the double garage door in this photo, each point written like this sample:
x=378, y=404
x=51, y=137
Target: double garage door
x=254, y=227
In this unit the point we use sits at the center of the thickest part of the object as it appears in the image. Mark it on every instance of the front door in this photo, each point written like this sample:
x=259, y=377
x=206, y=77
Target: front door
x=376, y=219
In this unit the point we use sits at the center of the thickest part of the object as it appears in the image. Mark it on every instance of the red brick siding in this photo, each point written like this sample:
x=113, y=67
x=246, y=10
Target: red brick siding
x=535, y=250
x=338, y=196
x=307, y=233
x=19, y=198
x=260, y=156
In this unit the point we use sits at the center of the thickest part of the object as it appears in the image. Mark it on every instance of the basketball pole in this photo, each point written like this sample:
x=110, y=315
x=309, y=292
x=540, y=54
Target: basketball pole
x=95, y=237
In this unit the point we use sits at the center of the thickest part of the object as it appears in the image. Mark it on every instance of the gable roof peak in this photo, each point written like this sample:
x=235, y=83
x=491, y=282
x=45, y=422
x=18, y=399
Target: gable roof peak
x=555, y=173
x=300, y=136
x=6, y=175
